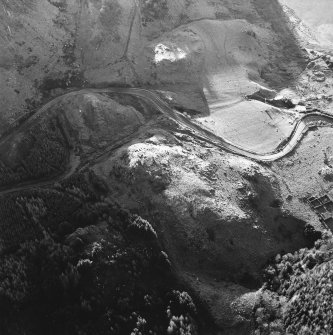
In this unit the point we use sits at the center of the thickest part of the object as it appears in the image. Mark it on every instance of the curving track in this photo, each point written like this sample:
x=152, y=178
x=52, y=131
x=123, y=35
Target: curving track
x=306, y=122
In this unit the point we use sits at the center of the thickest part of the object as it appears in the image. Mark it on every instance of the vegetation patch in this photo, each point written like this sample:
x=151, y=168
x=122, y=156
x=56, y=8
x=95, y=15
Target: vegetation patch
x=153, y=10
x=71, y=78
x=297, y=296
x=60, y=4
x=108, y=275
x=41, y=151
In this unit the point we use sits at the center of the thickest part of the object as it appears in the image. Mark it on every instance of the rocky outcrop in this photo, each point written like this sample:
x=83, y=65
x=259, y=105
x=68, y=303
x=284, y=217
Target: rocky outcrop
x=220, y=217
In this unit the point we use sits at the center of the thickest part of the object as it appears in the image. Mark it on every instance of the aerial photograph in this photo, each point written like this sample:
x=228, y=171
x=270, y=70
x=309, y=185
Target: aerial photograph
x=166, y=167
